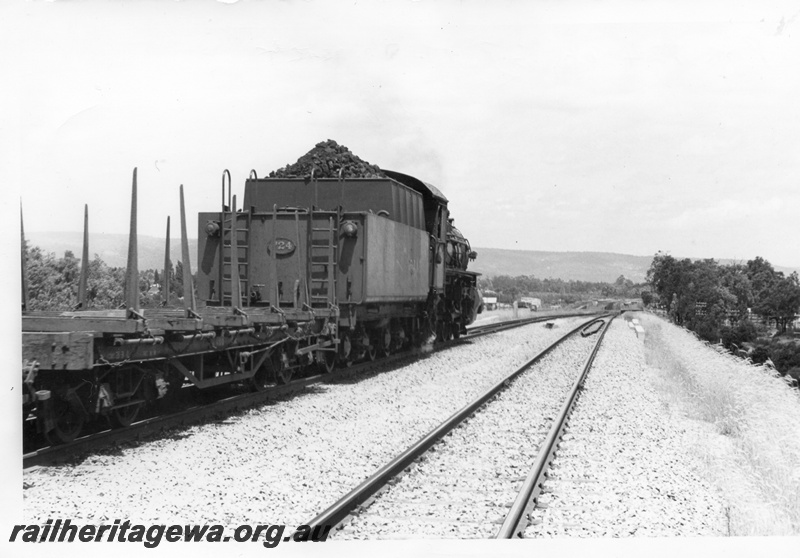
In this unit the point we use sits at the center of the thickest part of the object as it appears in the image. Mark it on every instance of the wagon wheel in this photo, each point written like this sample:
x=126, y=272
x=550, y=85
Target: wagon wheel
x=384, y=342
x=399, y=339
x=174, y=385
x=283, y=373
x=173, y=381
x=441, y=334
x=68, y=422
x=430, y=322
x=446, y=331
x=372, y=351
x=346, y=351
x=122, y=417
x=326, y=361
x=126, y=387
x=430, y=332
x=262, y=379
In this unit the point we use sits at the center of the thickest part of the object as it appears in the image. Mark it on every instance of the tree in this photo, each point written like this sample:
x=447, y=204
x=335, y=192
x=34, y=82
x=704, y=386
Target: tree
x=783, y=300
x=695, y=293
x=704, y=295
x=176, y=281
x=762, y=278
x=106, y=284
x=664, y=277
x=773, y=295
x=623, y=286
x=52, y=283
x=734, y=278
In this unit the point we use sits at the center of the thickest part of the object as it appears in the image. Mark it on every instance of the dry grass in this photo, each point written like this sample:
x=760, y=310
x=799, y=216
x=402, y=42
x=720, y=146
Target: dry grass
x=746, y=430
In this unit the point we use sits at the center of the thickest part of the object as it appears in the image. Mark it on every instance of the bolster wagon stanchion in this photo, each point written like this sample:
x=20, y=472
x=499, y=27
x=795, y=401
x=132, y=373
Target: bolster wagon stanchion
x=308, y=273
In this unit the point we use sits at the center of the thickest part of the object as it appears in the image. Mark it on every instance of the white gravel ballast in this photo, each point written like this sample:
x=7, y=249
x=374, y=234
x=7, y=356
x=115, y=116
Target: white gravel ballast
x=461, y=487
x=622, y=468
x=286, y=462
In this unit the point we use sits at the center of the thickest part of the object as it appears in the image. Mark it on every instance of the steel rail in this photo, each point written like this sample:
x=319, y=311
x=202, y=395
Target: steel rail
x=195, y=414
x=531, y=488
x=483, y=329
x=338, y=511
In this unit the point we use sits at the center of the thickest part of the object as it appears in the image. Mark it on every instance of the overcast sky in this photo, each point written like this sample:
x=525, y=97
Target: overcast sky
x=618, y=126
x=625, y=127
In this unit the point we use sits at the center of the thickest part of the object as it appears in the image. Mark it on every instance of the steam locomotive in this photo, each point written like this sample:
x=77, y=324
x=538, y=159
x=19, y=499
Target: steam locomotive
x=306, y=275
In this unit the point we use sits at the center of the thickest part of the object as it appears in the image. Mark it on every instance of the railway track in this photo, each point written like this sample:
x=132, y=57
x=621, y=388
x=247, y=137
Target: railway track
x=420, y=482
x=620, y=467
x=515, y=521
x=198, y=413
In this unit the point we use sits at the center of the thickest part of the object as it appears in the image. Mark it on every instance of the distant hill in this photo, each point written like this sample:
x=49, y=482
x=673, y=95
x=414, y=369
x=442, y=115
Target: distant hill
x=578, y=266
x=113, y=248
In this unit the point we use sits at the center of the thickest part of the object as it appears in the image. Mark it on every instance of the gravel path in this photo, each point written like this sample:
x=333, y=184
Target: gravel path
x=622, y=469
x=460, y=488
x=286, y=462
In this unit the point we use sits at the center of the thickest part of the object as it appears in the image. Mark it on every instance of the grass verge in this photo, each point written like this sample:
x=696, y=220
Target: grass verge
x=746, y=426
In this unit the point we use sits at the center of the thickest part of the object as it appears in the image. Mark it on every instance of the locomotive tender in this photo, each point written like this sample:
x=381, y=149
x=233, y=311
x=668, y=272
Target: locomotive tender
x=307, y=274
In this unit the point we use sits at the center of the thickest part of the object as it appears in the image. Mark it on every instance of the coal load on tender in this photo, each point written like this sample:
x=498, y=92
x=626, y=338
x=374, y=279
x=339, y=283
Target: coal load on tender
x=327, y=159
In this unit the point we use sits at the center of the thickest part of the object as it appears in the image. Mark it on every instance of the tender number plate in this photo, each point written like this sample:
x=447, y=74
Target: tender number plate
x=284, y=246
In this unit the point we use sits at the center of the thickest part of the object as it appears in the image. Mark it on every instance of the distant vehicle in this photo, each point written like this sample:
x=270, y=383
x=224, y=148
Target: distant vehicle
x=490, y=300
x=528, y=302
